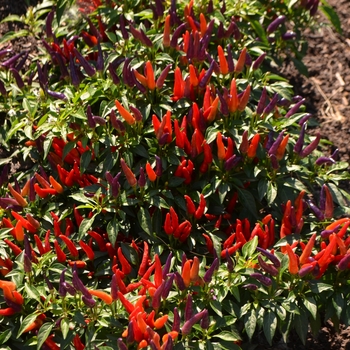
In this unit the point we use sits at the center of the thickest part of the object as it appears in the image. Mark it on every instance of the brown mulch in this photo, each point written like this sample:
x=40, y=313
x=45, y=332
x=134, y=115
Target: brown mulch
x=327, y=93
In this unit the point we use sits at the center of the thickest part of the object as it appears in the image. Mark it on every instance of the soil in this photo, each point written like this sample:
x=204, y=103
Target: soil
x=327, y=94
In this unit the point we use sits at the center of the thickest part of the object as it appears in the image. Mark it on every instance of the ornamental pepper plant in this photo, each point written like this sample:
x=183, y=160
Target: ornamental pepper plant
x=169, y=194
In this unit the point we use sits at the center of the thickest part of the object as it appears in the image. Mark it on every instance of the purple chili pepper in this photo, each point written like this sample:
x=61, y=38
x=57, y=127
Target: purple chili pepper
x=271, y=269
x=18, y=78
x=94, y=31
x=314, y=8
x=48, y=24
x=204, y=323
x=188, y=307
x=130, y=338
x=273, y=258
x=166, y=267
x=344, y=262
x=122, y=23
x=311, y=147
x=21, y=63
x=142, y=178
x=305, y=118
x=157, y=296
x=4, y=52
x=167, y=286
x=13, y=305
x=209, y=274
x=232, y=162
x=89, y=302
x=300, y=142
x=158, y=169
x=266, y=281
x=121, y=344
x=136, y=112
x=270, y=107
x=113, y=74
x=73, y=73
x=4, y=174
x=91, y=121
x=186, y=328
x=229, y=260
x=257, y=63
x=99, y=120
x=327, y=233
x=176, y=322
x=90, y=71
x=318, y=213
x=207, y=76
x=179, y=30
x=145, y=39
x=295, y=108
x=273, y=149
x=6, y=202
x=31, y=195
x=114, y=287
x=27, y=263
x=305, y=270
x=57, y=95
x=27, y=247
x=323, y=198
x=275, y=24
x=61, y=64
x=78, y=285
x=243, y=148
x=12, y=61
x=159, y=7
x=141, y=88
x=325, y=160
x=179, y=281
x=289, y=36
x=61, y=290
x=100, y=60
x=262, y=102
x=169, y=345
x=161, y=79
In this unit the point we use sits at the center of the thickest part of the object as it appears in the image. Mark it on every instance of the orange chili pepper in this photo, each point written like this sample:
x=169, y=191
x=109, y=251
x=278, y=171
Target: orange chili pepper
x=293, y=260
x=221, y=147
x=151, y=83
x=19, y=232
x=244, y=99
x=130, y=176
x=307, y=250
x=56, y=185
x=17, y=196
x=254, y=144
x=202, y=23
x=160, y=321
x=179, y=85
x=282, y=148
x=194, y=269
x=233, y=100
x=166, y=32
x=334, y=224
x=222, y=61
x=128, y=117
x=150, y=172
x=241, y=61
x=101, y=295
x=42, y=181
x=186, y=273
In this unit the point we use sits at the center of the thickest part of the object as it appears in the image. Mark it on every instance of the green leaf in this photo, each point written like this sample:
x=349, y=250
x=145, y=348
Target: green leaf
x=85, y=226
x=301, y=325
x=144, y=219
x=332, y=15
x=319, y=287
x=338, y=303
x=5, y=336
x=262, y=187
x=260, y=31
x=311, y=305
x=247, y=200
x=43, y=333
x=271, y=192
x=67, y=148
x=250, y=323
x=26, y=322
x=249, y=248
x=300, y=66
x=85, y=161
x=13, y=35
x=32, y=292
x=216, y=306
x=228, y=336
x=64, y=325
x=269, y=325
x=112, y=231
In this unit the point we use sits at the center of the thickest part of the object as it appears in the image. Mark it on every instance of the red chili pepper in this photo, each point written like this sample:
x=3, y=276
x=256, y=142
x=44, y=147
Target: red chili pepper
x=148, y=273
x=80, y=264
x=166, y=31
x=126, y=303
x=158, y=275
x=244, y=99
x=99, y=240
x=126, y=267
x=19, y=232
x=241, y=61
x=132, y=286
x=230, y=250
x=70, y=245
x=201, y=208
x=209, y=243
x=44, y=192
x=9, y=311
x=180, y=229
x=329, y=205
x=326, y=257
x=130, y=176
x=47, y=242
x=77, y=216
x=39, y=245
x=150, y=172
x=69, y=180
x=78, y=345
x=51, y=344
x=61, y=256
x=191, y=209
x=343, y=230
x=15, y=248
x=25, y=223
x=120, y=282
x=88, y=250
x=233, y=101
x=178, y=91
x=56, y=228
x=144, y=262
